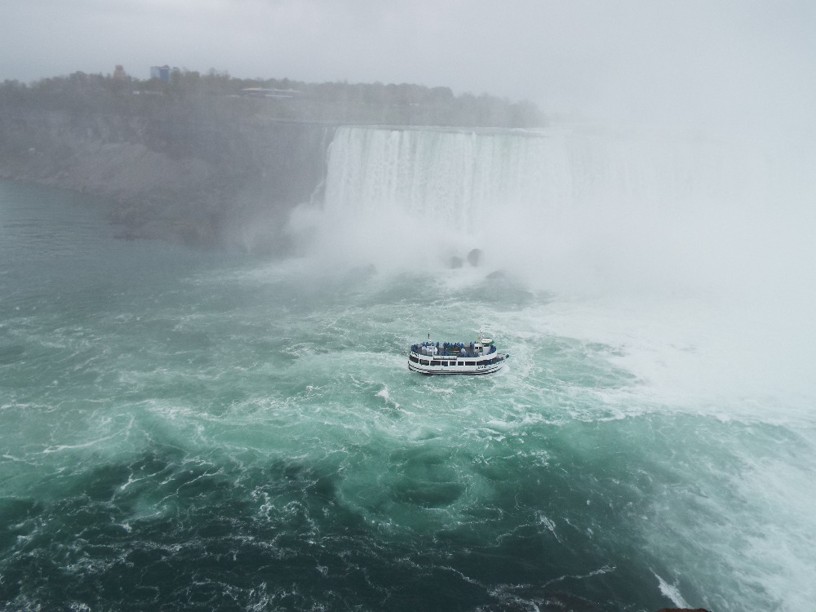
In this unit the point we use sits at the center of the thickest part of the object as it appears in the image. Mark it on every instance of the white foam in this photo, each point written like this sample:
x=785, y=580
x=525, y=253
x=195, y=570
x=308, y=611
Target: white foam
x=671, y=591
x=549, y=524
x=66, y=447
x=385, y=394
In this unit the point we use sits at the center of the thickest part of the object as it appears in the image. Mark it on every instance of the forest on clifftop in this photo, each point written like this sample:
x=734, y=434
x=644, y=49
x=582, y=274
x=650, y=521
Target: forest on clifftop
x=279, y=99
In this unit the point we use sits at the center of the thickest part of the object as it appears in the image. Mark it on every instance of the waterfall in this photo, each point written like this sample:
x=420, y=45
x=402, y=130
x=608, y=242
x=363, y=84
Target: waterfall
x=458, y=177
x=537, y=198
x=450, y=180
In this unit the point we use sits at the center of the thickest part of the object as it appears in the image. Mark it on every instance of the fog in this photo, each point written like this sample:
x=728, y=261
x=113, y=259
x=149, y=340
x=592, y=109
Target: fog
x=723, y=63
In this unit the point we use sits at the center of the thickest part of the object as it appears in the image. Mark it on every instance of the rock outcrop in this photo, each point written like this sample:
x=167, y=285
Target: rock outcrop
x=203, y=175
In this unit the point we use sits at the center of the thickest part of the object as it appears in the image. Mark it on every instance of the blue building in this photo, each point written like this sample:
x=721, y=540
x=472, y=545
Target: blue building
x=160, y=72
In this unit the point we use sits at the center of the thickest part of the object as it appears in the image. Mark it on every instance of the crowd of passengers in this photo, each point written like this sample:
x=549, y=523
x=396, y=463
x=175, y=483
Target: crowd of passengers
x=459, y=349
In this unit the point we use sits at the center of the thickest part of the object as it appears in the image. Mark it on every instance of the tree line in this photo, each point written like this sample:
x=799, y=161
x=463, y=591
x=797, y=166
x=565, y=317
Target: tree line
x=279, y=99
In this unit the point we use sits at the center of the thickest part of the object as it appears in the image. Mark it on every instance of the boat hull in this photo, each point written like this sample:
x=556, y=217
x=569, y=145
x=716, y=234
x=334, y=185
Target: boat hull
x=424, y=364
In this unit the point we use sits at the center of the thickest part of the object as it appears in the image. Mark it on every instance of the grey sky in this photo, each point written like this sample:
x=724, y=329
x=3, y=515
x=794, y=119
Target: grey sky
x=712, y=60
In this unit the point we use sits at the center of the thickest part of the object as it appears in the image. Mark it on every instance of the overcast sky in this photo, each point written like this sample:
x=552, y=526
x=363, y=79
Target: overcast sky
x=700, y=59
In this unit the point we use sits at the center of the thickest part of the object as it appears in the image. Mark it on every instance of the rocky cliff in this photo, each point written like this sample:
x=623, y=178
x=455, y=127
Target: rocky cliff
x=205, y=173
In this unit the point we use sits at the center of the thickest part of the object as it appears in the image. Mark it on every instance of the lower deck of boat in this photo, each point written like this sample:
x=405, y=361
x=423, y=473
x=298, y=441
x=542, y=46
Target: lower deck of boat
x=453, y=372
x=462, y=365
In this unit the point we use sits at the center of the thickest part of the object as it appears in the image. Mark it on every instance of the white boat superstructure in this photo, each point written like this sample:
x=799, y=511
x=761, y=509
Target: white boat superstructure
x=479, y=357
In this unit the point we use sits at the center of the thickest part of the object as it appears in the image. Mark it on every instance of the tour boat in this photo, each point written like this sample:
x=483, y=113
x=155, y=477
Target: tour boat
x=479, y=357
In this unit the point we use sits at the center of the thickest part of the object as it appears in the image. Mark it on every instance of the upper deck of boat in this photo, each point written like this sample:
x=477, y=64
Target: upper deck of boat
x=453, y=349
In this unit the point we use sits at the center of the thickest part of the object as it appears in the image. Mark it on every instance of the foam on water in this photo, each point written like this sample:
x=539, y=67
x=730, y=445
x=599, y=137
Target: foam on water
x=672, y=592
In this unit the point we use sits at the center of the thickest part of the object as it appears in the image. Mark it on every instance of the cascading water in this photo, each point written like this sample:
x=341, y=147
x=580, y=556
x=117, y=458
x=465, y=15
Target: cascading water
x=410, y=197
x=457, y=178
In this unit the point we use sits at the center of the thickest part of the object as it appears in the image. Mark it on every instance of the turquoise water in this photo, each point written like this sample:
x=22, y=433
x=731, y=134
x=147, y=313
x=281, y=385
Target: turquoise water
x=184, y=429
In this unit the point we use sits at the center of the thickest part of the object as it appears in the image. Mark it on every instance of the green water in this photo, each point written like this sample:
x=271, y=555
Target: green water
x=191, y=430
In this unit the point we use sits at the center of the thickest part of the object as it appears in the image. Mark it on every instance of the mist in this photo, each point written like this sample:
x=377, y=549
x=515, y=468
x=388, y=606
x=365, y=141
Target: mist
x=572, y=205
x=745, y=65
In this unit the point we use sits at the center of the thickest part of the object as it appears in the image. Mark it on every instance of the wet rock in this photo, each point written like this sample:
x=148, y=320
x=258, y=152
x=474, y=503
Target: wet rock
x=474, y=257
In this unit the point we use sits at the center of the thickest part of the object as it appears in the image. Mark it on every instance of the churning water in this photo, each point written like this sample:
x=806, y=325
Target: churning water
x=182, y=429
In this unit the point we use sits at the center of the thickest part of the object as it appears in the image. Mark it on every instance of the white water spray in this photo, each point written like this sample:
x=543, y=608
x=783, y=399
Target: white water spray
x=563, y=206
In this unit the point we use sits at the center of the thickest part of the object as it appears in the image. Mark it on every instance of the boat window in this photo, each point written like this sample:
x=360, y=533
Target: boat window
x=424, y=362
x=470, y=363
x=413, y=358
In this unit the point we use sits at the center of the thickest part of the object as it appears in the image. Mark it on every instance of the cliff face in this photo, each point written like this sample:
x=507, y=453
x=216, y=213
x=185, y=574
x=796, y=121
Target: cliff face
x=204, y=174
